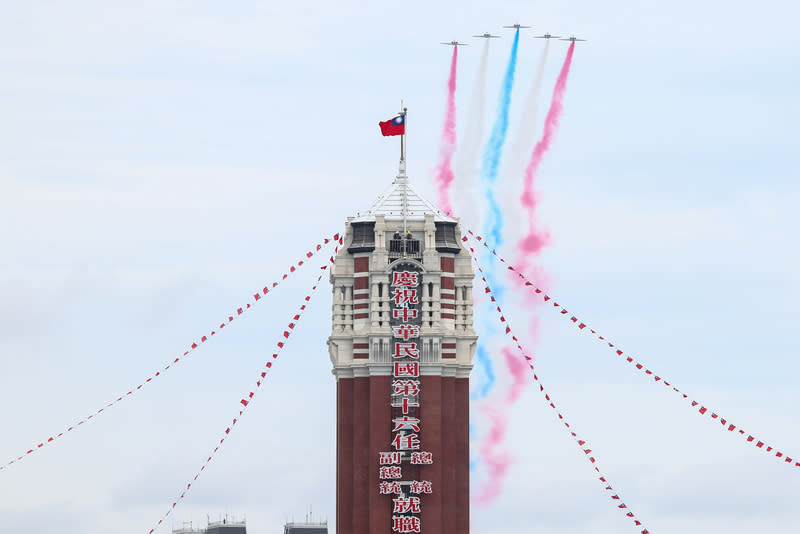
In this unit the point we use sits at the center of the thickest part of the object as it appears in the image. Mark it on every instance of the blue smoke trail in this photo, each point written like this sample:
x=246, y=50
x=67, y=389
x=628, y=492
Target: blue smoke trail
x=494, y=148
x=482, y=360
x=494, y=218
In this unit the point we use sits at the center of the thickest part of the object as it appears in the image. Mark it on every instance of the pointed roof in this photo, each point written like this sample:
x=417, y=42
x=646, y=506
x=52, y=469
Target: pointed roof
x=390, y=203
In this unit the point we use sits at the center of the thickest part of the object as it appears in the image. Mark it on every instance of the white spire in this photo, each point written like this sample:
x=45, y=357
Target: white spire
x=401, y=202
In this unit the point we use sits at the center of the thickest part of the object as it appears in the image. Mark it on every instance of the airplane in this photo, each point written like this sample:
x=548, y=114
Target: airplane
x=488, y=36
x=546, y=36
x=517, y=26
x=455, y=43
x=573, y=39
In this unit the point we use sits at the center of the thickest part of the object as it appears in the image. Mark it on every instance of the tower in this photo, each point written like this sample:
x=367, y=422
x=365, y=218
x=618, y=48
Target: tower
x=401, y=345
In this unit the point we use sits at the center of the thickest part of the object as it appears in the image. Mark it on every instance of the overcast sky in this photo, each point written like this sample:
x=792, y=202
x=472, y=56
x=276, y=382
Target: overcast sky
x=161, y=161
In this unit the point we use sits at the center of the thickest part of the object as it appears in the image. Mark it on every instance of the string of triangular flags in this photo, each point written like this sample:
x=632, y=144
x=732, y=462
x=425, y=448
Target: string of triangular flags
x=582, y=443
x=701, y=409
x=188, y=352
x=245, y=402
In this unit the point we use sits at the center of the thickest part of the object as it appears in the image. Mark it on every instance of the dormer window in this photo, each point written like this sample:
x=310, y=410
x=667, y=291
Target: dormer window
x=363, y=237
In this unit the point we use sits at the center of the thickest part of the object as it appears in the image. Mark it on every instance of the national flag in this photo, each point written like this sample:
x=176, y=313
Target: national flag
x=395, y=126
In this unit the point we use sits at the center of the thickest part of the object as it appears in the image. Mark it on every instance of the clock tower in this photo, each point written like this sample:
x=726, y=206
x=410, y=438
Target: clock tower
x=401, y=345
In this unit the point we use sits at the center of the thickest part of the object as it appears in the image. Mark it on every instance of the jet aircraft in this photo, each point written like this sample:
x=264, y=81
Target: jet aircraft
x=573, y=39
x=455, y=43
x=546, y=36
x=517, y=26
x=488, y=36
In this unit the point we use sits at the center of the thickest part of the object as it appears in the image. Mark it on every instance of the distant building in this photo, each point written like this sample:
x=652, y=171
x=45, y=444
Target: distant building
x=306, y=528
x=226, y=526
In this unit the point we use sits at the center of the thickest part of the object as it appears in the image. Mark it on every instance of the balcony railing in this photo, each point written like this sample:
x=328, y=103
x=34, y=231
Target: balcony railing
x=404, y=248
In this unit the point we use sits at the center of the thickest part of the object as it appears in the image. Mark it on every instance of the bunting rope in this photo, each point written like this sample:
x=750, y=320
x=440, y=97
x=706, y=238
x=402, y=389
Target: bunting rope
x=584, y=446
x=245, y=402
x=239, y=311
x=702, y=410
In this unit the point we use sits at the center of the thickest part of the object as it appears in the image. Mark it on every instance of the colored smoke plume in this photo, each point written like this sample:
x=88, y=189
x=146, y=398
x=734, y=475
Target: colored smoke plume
x=519, y=374
x=466, y=196
x=519, y=147
x=532, y=243
x=497, y=461
x=494, y=148
x=491, y=160
x=492, y=450
x=483, y=362
x=444, y=170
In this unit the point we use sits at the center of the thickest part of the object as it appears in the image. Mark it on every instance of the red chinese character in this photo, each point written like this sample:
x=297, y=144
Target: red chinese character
x=406, y=442
x=406, y=350
x=405, y=278
x=390, y=471
x=403, y=297
x=406, y=523
x=406, y=423
x=406, y=331
x=405, y=505
x=406, y=369
x=406, y=387
x=420, y=486
x=421, y=458
x=405, y=313
x=390, y=488
x=390, y=458
x=405, y=403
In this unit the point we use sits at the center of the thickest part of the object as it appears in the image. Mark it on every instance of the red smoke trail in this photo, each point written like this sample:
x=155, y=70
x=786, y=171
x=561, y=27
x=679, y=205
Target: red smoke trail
x=536, y=239
x=497, y=459
x=444, y=170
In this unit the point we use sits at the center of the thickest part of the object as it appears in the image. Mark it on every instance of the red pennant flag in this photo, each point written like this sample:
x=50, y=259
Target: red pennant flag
x=244, y=401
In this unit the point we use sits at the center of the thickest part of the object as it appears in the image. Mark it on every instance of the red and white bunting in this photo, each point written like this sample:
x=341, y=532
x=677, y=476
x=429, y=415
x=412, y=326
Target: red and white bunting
x=701, y=409
x=585, y=448
x=246, y=399
x=257, y=296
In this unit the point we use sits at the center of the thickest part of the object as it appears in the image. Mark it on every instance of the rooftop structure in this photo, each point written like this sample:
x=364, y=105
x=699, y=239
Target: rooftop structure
x=306, y=528
x=224, y=526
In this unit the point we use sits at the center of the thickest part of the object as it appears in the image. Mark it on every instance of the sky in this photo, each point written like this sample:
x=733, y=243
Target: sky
x=162, y=161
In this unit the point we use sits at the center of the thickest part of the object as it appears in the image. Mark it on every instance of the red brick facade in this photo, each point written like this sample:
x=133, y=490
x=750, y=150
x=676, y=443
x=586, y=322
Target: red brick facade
x=364, y=429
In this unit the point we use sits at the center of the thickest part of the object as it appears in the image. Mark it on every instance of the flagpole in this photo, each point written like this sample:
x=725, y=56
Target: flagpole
x=405, y=181
x=403, y=136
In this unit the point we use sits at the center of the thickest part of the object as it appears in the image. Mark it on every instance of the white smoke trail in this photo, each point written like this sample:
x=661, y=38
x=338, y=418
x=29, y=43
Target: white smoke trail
x=517, y=157
x=467, y=201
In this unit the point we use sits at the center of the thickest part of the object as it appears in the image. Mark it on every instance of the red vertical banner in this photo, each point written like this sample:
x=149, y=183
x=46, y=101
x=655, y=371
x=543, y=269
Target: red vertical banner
x=406, y=450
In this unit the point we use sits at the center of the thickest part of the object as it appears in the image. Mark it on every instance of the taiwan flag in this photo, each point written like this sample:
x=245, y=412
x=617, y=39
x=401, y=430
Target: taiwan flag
x=395, y=126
